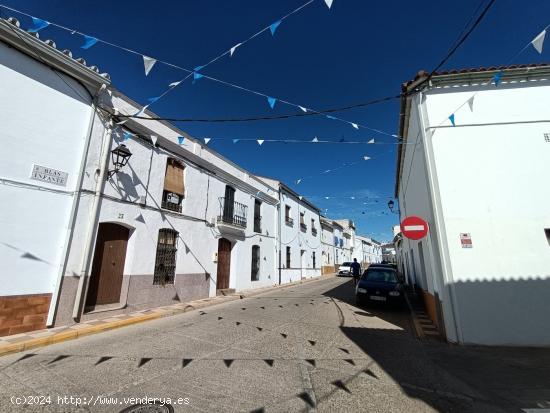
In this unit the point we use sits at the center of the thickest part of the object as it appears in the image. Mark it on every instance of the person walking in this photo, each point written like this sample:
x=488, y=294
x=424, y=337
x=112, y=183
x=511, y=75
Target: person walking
x=355, y=271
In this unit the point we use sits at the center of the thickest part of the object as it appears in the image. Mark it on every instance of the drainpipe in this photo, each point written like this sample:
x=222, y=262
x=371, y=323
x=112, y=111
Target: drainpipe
x=72, y=218
x=86, y=258
x=279, y=213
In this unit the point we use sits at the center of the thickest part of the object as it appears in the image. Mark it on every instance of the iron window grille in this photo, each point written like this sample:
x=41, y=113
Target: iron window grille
x=232, y=213
x=165, y=262
x=255, y=267
x=287, y=257
x=289, y=221
x=303, y=227
x=257, y=216
x=171, y=201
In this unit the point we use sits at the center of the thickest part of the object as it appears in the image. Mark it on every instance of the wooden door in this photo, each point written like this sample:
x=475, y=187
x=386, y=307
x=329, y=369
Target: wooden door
x=224, y=264
x=108, y=264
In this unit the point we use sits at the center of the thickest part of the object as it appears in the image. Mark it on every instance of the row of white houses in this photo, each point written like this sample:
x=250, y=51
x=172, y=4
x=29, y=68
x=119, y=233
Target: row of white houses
x=96, y=222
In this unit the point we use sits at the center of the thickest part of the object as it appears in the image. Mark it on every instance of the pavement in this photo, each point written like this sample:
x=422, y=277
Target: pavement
x=302, y=348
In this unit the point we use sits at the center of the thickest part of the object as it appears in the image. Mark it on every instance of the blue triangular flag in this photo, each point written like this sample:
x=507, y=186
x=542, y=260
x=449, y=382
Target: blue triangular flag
x=153, y=100
x=127, y=135
x=39, y=24
x=181, y=139
x=497, y=78
x=198, y=68
x=88, y=42
x=196, y=76
x=236, y=140
x=274, y=26
x=452, y=119
x=271, y=101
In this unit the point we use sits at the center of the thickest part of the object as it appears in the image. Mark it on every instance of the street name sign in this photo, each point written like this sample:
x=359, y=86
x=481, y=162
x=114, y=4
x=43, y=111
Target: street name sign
x=414, y=227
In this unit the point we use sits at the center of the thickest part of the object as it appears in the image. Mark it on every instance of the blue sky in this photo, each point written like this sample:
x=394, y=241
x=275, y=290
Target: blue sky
x=357, y=51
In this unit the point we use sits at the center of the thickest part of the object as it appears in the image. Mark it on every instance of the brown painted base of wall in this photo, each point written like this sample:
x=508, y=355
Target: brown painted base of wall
x=22, y=313
x=327, y=269
x=431, y=307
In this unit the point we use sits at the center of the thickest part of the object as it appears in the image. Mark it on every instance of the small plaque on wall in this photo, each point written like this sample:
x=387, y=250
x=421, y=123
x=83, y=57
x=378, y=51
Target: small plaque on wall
x=49, y=175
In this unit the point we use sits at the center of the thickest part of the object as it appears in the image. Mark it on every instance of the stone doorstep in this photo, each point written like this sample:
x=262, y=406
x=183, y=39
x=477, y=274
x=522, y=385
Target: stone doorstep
x=40, y=338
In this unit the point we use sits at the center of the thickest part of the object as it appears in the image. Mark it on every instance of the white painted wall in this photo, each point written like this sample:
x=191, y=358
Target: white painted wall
x=490, y=182
x=327, y=242
x=301, y=266
x=45, y=117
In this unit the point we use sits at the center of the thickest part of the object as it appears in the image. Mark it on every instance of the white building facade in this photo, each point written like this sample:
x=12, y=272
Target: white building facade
x=328, y=247
x=299, y=235
x=483, y=268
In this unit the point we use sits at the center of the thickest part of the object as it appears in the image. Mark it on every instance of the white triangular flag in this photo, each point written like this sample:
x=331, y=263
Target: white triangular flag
x=471, y=103
x=355, y=125
x=154, y=140
x=260, y=141
x=206, y=140
x=371, y=141
x=232, y=50
x=303, y=109
x=122, y=122
x=328, y=3
x=538, y=41
x=366, y=158
x=300, y=197
x=315, y=139
x=174, y=84
x=327, y=197
x=148, y=62
x=298, y=181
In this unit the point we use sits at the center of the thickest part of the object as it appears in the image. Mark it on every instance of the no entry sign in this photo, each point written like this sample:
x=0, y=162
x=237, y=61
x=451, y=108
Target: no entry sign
x=414, y=228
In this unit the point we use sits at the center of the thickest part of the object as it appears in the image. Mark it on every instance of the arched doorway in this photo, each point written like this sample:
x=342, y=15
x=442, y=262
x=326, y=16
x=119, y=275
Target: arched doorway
x=108, y=264
x=224, y=264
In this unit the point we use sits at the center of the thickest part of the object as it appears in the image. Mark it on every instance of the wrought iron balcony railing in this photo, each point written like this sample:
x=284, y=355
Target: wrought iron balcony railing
x=232, y=213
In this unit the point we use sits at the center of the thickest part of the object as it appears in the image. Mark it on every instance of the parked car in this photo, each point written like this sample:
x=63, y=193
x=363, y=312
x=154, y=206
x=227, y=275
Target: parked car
x=345, y=269
x=379, y=284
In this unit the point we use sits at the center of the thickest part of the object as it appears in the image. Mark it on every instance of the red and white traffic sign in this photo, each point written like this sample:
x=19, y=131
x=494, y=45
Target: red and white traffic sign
x=414, y=227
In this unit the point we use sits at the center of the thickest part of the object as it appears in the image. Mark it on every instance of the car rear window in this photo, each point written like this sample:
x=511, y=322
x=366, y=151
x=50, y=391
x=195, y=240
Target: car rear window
x=380, y=275
x=346, y=264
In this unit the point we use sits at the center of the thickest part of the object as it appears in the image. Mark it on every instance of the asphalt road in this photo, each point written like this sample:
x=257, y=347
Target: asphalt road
x=300, y=348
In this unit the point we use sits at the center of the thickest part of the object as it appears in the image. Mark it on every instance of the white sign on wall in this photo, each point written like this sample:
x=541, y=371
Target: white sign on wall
x=466, y=240
x=49, y=175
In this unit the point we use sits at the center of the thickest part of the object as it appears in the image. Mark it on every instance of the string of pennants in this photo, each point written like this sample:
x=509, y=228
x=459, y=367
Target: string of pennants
x=537, y=43
x=197, y=73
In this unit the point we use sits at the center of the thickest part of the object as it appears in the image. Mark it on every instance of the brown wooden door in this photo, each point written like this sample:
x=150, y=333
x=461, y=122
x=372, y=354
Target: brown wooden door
x=224, y=264
x=108, y=264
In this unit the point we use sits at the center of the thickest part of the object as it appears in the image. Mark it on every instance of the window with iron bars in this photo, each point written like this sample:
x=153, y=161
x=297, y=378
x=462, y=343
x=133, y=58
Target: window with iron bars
x=255, y=267
x=165, y=262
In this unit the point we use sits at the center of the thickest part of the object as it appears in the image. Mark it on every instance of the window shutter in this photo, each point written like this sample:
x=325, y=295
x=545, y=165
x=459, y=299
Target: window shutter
x=173, y=180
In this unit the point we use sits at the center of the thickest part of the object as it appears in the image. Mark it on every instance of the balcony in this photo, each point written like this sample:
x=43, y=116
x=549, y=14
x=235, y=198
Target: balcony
x=314, y=231
x=303, y=227
x=232, y=216
x=289, y=221
x=171, y=206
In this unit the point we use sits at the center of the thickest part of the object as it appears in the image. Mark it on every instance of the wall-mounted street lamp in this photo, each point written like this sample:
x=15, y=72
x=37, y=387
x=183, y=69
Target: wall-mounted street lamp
x=119, y=156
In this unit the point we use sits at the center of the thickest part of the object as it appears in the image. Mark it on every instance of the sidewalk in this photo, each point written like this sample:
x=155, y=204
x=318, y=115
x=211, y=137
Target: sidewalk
x=40, y=338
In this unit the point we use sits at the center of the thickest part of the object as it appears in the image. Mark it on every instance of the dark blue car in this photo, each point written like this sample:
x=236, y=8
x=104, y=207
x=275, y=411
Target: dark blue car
x=381, y=285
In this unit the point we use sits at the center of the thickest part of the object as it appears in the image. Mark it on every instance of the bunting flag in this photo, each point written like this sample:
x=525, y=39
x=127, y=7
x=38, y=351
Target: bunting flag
x=148, y=63
x=538, y=41
x=355, y=125
x=122, y=122
x=452, y=119
x=331, y=117
x=497, y=78
x=371, y=141
x=328, y=3
x=39, y=24
x=232, y=50
x=153, y=100
x=198, y=68
x=260, y=141
x=271, y=101
x=298, y=181
x=302, y=109
x=366, y=158
x=154, y=140
x=300, y=197
x=181, y=139
x=206, y=140
x=127, y=135
x=196, y=76
x=174, y=84
x=236, y=140
x=274, y=26
x=315, y=139
x=88, y=42
x=471, y=103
